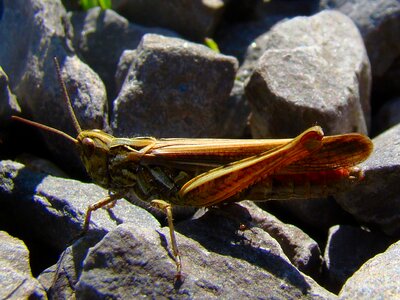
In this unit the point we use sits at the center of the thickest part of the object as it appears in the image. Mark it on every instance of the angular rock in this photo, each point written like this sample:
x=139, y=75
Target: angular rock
x=378, y=278
x=8, y=106
x=379, y=25
x=50, y=205
x=194, y=19
x=347, y=249
x=125, y=61
x=101, y=37
x=16, y=281
x=237, y=113
x=29, y=64
x=302, y=251
x=375, y=200
x=60, y=280
x=8, y=102
x=175, y=89
x=306, y=76
x=135, y=262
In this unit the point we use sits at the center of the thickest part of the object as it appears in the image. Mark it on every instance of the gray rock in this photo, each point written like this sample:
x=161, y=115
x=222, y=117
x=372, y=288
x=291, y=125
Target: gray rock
x=193, y=19
x=28, y=62
x=347, y=249
x=8, y=106
x=60, y=280
x=378, y=278
x=307, y=76
x=134, y=262
x=16, y=281
x=175, y=89
x=50, y=205
x=125, y=61
x=101, y=37
x=8, y=102
x=375, y=200
x=379, y=24
x=302, y=251
x=237, y=113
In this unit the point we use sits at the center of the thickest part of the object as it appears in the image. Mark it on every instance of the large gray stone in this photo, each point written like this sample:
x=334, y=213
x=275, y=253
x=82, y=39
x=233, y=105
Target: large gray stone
x=378, y=278
x=175, y=88
x=16, y=281
x=375, y=200
x=28, y=61
x=313, y=71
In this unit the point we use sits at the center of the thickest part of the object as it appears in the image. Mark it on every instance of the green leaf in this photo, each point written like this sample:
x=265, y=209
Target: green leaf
x=211, y=44
x=105, y=4
x=88, y=4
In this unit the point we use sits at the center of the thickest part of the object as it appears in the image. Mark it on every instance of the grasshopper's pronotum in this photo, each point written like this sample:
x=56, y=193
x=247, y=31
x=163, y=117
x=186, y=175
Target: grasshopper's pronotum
x=207, y=172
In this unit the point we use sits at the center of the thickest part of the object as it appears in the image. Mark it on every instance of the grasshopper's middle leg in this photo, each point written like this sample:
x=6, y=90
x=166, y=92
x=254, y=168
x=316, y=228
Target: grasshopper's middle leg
x=165, y=206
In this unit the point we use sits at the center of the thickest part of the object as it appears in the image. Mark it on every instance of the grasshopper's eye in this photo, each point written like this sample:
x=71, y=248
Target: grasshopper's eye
x=88, y=143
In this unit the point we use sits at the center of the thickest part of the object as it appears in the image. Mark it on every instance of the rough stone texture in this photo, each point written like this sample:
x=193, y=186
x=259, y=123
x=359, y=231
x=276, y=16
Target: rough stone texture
x=8, y=102
x=194, y=19
x=49, y=205
x=237, y=113
x=139, y=259
x=133, y=261
x=237, y=39
x=376, y=199
x=175, y=88
x=378, y=278
x=8, y=106
x=28, y=61
x=313, y=70
x=101, y=37
x=125, y=61
x=16, y=281
x=379, y=25
x=302, y=251
x=347, y=249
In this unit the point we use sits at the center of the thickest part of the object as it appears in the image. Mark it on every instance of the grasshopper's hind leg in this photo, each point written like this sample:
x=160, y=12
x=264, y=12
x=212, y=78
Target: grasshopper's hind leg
x=167, y=208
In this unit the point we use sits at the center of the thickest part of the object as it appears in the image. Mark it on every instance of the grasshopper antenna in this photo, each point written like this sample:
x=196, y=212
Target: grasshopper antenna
x=44, y=127
x=69, y=106
x=66, y=97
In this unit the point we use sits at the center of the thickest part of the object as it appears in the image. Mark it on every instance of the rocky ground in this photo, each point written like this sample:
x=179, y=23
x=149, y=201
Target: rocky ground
x=142, y=69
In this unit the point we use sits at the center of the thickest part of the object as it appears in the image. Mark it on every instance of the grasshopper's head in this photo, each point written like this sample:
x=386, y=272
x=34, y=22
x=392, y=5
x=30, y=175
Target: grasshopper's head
x=94, y=146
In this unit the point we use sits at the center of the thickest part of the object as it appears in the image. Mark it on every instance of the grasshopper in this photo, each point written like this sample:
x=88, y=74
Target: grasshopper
x=208, y=172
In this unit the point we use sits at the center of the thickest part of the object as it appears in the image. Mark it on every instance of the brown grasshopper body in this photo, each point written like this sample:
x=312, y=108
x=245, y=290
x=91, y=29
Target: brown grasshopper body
x=207, y=172
x=174, y=170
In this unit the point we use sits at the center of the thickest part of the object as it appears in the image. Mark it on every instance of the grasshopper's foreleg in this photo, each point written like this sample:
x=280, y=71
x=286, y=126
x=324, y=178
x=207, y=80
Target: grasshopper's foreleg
x=165, y=206
x=109, y=200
